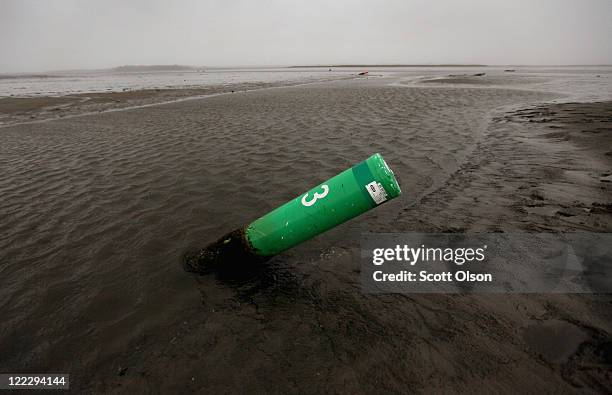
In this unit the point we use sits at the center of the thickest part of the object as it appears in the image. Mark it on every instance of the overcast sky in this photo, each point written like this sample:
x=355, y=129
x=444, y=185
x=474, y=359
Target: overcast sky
x=68, y=34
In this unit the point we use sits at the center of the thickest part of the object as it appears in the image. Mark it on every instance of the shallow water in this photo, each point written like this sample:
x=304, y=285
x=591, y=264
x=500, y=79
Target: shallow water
x=97, y=210
x=568, y=79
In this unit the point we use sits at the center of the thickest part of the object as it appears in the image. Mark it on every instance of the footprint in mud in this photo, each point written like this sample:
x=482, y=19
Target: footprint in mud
x=555, y=340
x=606, y=178
x=604, y=351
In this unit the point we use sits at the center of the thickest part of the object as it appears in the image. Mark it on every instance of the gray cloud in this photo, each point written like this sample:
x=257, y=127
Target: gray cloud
x=66, y=34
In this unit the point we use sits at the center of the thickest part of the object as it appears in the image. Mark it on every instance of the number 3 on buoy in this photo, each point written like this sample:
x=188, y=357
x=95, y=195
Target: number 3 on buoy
x=317, y=195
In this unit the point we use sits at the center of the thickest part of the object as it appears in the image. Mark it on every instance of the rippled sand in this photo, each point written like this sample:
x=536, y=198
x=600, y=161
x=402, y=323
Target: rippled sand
x=97, y=211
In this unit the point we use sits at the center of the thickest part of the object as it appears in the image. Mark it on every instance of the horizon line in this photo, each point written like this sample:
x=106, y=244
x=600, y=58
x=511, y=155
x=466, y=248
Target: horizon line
x=307, y=66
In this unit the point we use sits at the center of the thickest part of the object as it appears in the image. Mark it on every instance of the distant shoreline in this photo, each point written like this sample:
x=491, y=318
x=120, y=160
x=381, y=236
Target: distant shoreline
x=390, y=65
x=154, y=67
x=450, y=65
x=186, y=68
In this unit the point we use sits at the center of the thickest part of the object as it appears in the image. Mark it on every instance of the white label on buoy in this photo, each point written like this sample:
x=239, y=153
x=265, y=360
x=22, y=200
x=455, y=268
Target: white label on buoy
x=377, y=192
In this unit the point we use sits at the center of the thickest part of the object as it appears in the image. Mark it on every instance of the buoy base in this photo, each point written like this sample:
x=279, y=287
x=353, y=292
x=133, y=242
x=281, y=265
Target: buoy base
x=231, y=251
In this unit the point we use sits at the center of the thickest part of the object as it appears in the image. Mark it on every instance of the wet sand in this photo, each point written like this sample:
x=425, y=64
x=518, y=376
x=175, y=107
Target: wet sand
x=19, y=110
x=97, y=211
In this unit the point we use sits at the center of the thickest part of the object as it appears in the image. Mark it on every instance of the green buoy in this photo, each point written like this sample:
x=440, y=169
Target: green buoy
x=342, y=197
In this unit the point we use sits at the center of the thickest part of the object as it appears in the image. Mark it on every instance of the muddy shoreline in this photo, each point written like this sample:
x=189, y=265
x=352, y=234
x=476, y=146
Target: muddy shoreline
x=100, y=209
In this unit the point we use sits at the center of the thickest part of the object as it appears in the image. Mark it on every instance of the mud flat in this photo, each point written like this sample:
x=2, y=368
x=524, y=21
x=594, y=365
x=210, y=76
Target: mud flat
x=97, y=211
x=16, y=110
x=540, y=168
